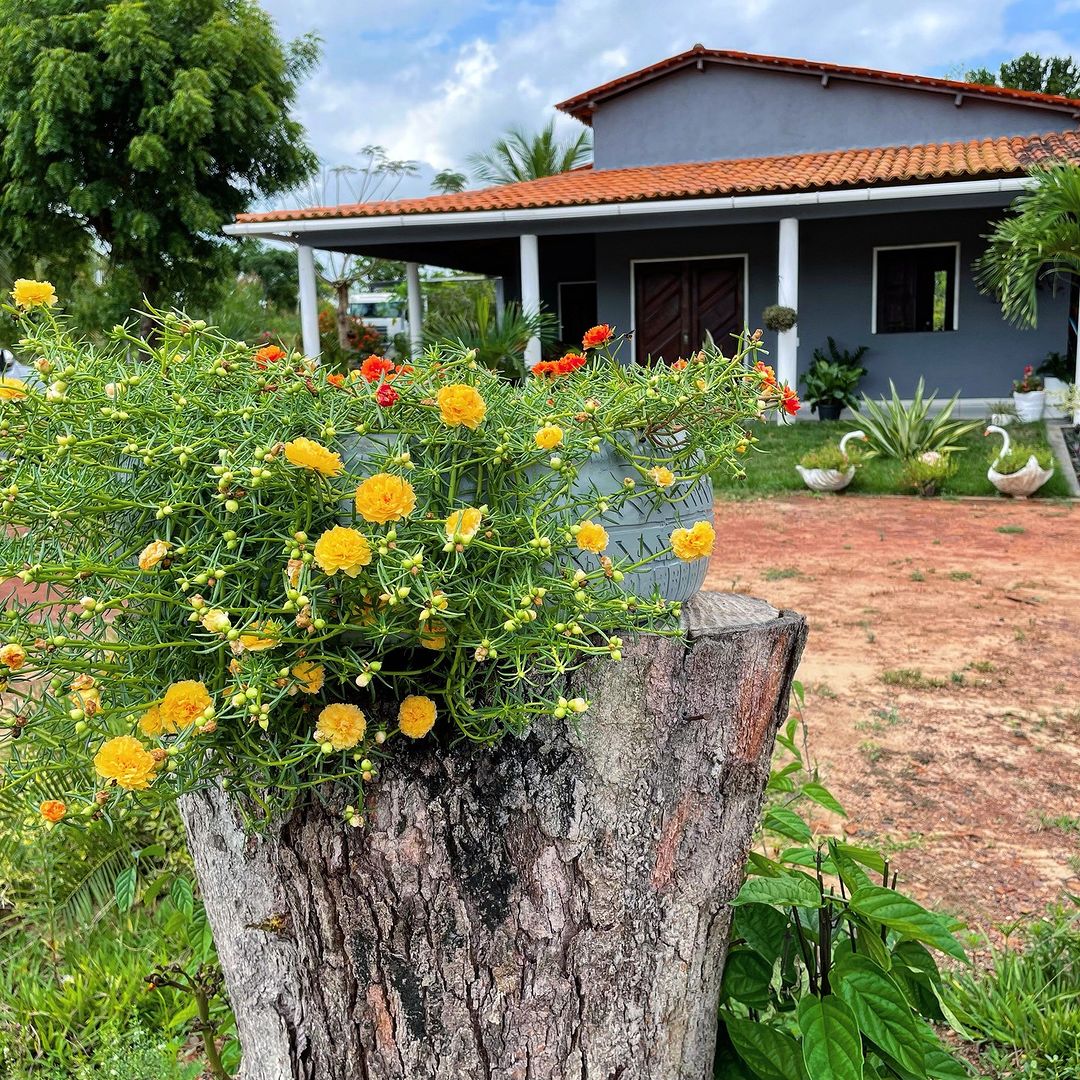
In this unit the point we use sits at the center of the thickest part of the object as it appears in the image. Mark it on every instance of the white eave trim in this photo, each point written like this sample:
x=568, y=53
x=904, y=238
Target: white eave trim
x=293, y=230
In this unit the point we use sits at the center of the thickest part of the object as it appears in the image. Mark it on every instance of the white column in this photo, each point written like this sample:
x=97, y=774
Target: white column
x=500, y=300
x=1076, y=375
x=309, y=301
x=416, y=306
x=530, y=290
x=787, y=294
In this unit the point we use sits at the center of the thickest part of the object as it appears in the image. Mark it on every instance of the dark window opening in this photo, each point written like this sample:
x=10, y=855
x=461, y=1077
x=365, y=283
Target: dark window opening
x=916, y=290
x=577, y=310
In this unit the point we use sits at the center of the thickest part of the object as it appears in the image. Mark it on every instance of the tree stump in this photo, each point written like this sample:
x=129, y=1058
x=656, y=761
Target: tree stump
x=553, y=908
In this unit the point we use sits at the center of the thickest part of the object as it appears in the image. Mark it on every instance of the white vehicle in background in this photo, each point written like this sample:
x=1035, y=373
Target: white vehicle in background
x=382, y=311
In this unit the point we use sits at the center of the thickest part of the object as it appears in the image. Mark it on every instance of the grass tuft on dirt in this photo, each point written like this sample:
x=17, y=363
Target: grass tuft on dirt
x=770, y=466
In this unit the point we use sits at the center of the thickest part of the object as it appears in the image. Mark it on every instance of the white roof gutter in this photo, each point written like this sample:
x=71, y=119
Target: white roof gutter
x=292, y=230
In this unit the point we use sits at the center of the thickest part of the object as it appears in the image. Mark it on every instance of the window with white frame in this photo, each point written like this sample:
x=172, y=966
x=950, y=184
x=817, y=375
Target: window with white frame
x=916, y=288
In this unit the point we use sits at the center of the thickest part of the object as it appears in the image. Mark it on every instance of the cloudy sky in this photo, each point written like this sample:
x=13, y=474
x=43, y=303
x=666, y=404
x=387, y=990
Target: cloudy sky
x=434, y=80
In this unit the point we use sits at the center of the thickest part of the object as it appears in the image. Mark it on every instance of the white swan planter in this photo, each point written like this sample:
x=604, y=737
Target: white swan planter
x=831, y=479
x=1025, y=481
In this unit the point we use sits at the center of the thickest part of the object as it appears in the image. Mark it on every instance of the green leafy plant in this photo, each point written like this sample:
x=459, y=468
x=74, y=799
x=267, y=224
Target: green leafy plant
x=926, y=473
x=498, y=340
x=1002, y=408
x=1024, y=1009
x=828, y=383
x=828, y=456
x=777, y=317
x=1030, y=383
x=830, y=974
x=1057, y=366
x=900, y=431
x=1018, y=457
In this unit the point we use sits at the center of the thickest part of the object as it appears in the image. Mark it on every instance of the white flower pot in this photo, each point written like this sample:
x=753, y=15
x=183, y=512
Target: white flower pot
x=826, y=479
x=1023, y=482
x=1001, y=419
x=1030, y=406
x=1055, y=390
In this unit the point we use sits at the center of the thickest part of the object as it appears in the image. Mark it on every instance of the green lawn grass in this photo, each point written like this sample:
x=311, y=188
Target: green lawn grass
x=770, y=466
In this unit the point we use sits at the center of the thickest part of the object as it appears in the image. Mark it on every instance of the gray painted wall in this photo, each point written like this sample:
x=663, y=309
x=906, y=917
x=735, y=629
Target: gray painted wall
x=835, y=297
x=727, y=111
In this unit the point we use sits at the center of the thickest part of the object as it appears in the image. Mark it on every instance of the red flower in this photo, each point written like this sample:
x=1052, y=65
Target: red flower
x=597, y=336
x=375, y=367
x=563, y=366
x=337, y=380
x=385, y=396
x=768, y=376
x=679, y=365
x=1028, y=370
x=790, y=401
x=267, y=355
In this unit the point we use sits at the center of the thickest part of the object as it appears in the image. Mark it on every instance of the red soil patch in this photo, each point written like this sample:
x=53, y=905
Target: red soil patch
x=959, y=771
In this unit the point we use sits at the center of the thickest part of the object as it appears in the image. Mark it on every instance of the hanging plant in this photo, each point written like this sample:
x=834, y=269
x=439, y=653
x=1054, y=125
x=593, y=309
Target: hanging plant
x=778, y=318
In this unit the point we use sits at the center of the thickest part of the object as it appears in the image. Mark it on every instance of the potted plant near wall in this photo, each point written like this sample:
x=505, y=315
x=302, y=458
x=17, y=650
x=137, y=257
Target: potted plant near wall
x=1029, y=396
x=1058, y=374
x=833, y=378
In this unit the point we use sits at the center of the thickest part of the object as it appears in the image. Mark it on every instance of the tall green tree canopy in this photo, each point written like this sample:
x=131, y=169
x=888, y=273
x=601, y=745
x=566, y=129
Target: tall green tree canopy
x=136, y=128
x=520, y=155
x=1043, y=75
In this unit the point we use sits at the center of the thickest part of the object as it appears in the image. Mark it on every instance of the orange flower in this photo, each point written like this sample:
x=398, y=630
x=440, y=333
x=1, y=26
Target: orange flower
x=679, y=365
x=384, y=497
x=342, y=726
x=790, y=401
x=416, y=716
x=695, y=542
x=375, y=367
x=565, y=365
x=337, y=380
x=768, y=376
x=433, y=636
x=308, y=454
x=592, y=537
x=343, y=549
x=12, y=656
x=597, y=336
x=267, y=355
x=125, y=760
x=53, y=810
x=461, y=405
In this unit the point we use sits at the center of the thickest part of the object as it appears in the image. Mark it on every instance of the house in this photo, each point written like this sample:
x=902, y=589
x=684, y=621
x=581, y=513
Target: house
x=723, y=182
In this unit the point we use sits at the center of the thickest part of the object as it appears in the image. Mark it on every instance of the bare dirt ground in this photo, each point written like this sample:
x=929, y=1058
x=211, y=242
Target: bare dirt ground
x=942, y=678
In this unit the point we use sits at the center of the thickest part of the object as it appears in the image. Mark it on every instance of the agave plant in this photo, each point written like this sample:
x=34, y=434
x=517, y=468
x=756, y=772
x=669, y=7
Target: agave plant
x=904, y=432
x=499, y=341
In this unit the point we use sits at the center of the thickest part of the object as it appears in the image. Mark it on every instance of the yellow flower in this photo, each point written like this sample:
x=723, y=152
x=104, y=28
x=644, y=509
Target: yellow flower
x=216, y=621
x=29, y=294
x=416, y=716
x=125, y=760
x=12, y=389
x=461, y=405
x=344, y=549
x=153, y=553
x=383, y=497
x=308, y=454
x=549, y=436
x=342, y=726
x=693, y=543
x=84, y=694
x=434, y=636
x=184, y=703
x=461, y=525
x=311, y=676
x=151, y=724
x=260, y=636
x=12, y=656
x=53, y=810
x=662, y=477
x=592, y=537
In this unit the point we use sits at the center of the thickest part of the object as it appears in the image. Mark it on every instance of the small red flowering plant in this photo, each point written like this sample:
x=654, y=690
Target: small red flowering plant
x=223, y=562
x=1030, y=382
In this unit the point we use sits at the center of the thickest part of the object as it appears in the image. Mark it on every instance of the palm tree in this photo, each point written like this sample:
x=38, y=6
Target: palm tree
x=449, y=182
x=519, y=155
x=1040, y=239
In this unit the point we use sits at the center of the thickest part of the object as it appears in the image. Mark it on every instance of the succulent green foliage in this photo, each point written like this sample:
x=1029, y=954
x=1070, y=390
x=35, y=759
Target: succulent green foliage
x=1019, y=455
x=900, y=431
x=777, y=317
x=139, y=128
x=828, y=456
x=926, y=473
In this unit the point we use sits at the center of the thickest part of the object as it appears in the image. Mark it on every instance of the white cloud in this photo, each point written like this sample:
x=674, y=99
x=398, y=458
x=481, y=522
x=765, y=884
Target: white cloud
x=435, y=81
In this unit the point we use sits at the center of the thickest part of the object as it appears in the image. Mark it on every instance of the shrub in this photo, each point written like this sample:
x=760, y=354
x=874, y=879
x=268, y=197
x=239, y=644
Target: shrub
x=1018, y=457
x=926, y=473
x=827, y=456
x=211, y=591
x=904, y=432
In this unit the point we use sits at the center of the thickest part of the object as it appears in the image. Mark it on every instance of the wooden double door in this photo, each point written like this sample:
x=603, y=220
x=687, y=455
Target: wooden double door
x=675, y=303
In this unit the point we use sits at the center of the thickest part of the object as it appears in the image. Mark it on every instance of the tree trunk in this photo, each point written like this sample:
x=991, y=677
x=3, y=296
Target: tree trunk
x=553, y=908
x=343, y=316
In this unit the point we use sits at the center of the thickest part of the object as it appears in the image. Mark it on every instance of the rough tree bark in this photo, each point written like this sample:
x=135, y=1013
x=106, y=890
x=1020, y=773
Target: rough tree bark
x=555, y=908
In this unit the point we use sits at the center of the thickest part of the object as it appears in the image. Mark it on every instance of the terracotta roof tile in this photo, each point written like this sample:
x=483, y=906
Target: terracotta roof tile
x=582, y=105
x=824, y=171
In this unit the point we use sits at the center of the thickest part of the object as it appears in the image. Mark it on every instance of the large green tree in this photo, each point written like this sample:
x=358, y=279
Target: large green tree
x=136, y=128
x=1043, y=75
